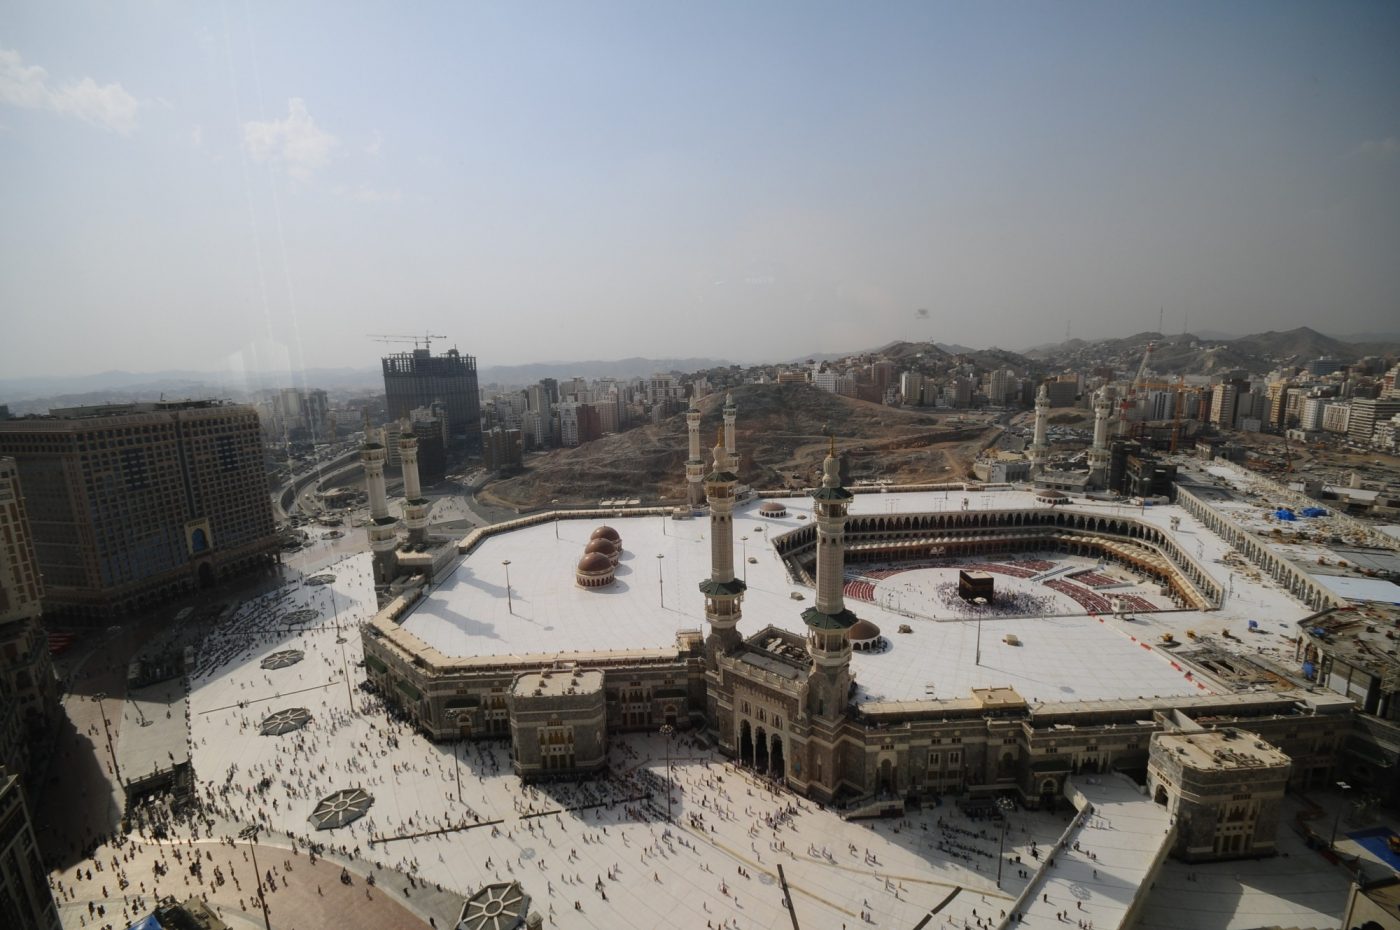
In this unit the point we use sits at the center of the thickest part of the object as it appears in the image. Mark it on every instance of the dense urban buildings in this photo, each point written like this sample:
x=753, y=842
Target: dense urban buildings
x=25, y=899
x=420, y=379
x=28, y=689
x=132, y=503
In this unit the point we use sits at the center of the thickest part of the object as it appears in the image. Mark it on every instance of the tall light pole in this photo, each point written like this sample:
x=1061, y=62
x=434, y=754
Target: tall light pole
x=660, y=582
x=251, y=835
x=555, y=504
x=1006, y=806
x=666, y=731
x=1345, y=788
x=744, y=550
x=510, y=606
x=116, y=770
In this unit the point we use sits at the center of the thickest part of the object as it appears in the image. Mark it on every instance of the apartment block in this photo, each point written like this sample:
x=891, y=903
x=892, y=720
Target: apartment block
x=132, y=503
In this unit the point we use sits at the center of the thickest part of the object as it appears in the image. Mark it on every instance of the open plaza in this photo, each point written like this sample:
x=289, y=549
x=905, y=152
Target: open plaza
x=573, y=720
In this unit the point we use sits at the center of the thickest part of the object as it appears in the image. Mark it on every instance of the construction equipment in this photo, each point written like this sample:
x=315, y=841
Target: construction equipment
x=424, y=341
x=1131, y=393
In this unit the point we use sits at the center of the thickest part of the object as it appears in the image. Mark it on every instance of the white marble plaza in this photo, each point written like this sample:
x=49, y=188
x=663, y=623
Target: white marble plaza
x=725, y=821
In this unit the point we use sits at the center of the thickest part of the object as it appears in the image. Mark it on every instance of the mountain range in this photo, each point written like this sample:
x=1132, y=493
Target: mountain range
x=1185, y=353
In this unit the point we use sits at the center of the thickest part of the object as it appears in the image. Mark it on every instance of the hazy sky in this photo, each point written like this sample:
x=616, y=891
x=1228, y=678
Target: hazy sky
x=758, y=180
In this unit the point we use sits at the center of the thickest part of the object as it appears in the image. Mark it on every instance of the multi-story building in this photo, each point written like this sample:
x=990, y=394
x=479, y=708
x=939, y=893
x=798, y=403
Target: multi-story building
x=1366, y=414
x=1336, y=417
x=502, y=449
x=558, y=722
x=418, y=378
x=568, y=423
x=1223, y=787
x=999, y=386
x=132, y=503
x=911, y=386
x=26, y=671
x=25, y=898
x=958, y=392
x=1062, y=391
x=1224, y=399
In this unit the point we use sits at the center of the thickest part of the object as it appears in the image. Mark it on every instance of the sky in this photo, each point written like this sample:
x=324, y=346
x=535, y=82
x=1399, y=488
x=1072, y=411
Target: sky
x=263, y=185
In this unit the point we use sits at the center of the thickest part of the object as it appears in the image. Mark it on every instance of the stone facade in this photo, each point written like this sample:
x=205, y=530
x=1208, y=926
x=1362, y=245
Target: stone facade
x=1225, y=789
x=558, y=722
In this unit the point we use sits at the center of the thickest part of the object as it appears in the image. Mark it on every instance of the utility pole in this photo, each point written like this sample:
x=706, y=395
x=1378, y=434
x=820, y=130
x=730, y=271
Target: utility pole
x=251, y=835
x=116, y=769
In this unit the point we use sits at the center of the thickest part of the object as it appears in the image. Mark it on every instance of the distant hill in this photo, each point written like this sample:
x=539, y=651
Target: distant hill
x=39, y=394
x=635, y=367
x=780, y=432
x=1196, y=354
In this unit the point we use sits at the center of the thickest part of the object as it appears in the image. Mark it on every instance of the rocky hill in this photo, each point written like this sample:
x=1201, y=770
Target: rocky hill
x=781, y=437
x=1196, y=355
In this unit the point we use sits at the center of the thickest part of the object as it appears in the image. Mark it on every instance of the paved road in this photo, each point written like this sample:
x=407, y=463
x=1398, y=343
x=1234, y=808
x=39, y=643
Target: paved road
x=301, y=896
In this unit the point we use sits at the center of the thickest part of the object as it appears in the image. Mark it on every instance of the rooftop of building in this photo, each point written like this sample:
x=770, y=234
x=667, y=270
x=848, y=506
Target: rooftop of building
x=117, y=410
x=1226, y=748
x=558, y=682
x=1385, y=894
x=1059, y=654
x=1352, y=559
x=1366, y=636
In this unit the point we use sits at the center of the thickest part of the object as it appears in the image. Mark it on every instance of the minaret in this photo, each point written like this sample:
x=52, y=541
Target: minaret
x=729, y=413
x=723, y=592
x=382, y=539
x=1039, y=449
x=415, y=505
x=695, y=465
x=1098, y=454
x=829, y=681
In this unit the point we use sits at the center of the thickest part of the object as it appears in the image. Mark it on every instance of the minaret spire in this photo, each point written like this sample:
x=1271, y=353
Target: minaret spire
x=723, y=592
x=694, y=465
x=1039, y=448
x=415, y=505
x=1098, y=453
x=730, y=412
x=382, y=539
x=828, y=682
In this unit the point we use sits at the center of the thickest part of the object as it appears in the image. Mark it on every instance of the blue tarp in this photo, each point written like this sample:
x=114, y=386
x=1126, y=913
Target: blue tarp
x=1314, y=512
x=148, y=922
x=1309, y=671
x=1283, y=513
x=1254, y=624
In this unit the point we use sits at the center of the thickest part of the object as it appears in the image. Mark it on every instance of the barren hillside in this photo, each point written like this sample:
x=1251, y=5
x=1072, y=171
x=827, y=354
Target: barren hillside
x=781, y=434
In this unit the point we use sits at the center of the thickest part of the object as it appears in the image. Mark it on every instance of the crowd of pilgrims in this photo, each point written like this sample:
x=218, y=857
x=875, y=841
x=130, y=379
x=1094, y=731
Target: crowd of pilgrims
x=388, y=759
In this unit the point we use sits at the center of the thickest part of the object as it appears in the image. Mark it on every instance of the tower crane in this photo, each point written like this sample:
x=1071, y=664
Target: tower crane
x=1176, y=411
x=1132, y=391
x=426, y=339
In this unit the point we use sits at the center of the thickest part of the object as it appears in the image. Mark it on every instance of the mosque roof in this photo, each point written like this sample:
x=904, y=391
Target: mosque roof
x=594, y=563
x=862, y=630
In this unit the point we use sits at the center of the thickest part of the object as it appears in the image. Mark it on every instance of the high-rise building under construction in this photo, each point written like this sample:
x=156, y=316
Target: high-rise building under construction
x=419, y=378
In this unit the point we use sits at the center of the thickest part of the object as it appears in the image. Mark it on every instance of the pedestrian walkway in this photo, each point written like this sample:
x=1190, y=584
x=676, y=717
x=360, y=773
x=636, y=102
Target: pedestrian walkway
x=1102, y=869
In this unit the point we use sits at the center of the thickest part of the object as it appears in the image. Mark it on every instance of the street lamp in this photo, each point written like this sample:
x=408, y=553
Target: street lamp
x=660, y=582
x=744, y=543
x=1006, y=806
x=1345, y=788
x=510, y=606
x=555, y=504
x=251, y=835
x=666, y=731
x=99, y=697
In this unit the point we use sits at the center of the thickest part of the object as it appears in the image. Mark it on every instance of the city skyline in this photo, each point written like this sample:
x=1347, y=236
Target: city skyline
x=790, y=180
